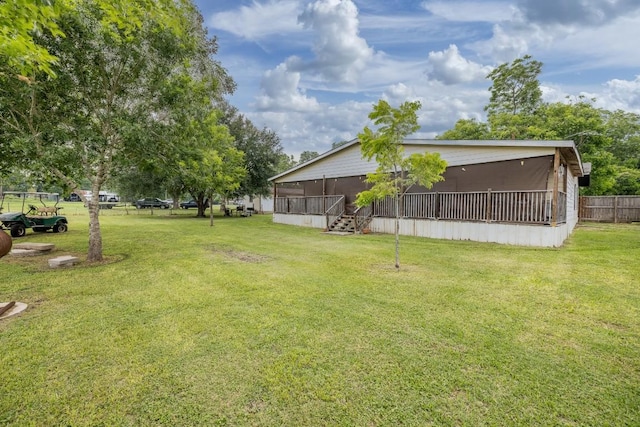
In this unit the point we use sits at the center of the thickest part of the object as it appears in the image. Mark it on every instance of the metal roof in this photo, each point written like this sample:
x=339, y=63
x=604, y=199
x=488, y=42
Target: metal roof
x=567, y=148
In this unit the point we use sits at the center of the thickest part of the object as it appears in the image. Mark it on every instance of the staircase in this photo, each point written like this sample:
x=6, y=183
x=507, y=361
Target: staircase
x=344, y=224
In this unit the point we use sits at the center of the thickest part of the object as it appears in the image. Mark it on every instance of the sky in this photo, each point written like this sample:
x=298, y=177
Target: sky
x=311, y=71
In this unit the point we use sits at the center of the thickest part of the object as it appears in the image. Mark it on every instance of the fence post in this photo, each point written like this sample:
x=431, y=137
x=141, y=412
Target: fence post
x=436, y=211
x=615, y=210
x=488, y=219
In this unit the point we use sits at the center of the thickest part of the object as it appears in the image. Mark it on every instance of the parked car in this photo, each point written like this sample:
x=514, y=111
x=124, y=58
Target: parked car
x=193, y=204
x=189, y=204
x=151, y=203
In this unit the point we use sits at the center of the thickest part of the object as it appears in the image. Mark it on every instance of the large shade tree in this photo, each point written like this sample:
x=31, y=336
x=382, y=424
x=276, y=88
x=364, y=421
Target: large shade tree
x=104, y=104
x=261, y=148
x=212, y=166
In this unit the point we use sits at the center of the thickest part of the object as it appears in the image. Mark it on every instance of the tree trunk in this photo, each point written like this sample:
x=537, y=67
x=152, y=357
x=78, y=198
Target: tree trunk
x=397, y=232
x=95, y=236
x=210, y=210
x=202, y=206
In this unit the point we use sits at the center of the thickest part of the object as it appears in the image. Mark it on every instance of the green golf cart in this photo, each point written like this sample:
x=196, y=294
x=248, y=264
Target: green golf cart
x=38, y=218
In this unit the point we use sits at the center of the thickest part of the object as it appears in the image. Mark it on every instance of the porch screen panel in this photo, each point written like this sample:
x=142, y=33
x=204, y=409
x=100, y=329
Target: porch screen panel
x=348, y=186
x=289, y=189
x=512, y=175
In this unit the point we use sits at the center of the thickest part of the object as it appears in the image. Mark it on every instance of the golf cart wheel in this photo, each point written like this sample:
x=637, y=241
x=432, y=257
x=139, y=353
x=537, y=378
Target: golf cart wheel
x=18, y=230
x=60, y=227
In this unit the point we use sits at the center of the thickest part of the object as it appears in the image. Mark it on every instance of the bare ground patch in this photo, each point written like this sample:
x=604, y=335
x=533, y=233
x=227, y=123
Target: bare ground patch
x=247, y=257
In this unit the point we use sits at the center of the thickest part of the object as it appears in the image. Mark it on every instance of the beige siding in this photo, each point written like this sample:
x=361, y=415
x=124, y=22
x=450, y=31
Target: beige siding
x=572, y=198
x=468, y=155
x=349, y=162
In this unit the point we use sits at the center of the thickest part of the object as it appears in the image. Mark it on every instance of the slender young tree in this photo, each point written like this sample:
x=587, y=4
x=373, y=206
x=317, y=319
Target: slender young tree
x=396, y=173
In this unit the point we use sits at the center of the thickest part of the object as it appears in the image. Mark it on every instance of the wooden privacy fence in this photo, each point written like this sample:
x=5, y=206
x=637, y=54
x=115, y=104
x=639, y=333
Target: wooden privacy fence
x=610, y=208
x=531, y=207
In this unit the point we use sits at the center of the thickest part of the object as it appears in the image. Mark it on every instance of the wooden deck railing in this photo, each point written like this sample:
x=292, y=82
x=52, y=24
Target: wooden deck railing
x=362, y=217
x=533, y=207
x=530, y=207
x=313, y=205
x=336, y=210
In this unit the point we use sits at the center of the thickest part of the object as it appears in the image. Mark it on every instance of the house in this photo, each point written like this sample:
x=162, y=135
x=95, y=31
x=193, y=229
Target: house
x=511, y=192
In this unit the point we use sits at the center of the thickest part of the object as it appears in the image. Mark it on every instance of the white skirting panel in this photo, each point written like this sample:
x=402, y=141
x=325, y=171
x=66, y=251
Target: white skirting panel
x=510, y=234
x=313, y=221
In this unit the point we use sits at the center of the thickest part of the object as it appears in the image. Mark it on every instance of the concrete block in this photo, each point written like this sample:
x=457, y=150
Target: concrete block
x=62, y=260
x=24, y=252
x=42, y=247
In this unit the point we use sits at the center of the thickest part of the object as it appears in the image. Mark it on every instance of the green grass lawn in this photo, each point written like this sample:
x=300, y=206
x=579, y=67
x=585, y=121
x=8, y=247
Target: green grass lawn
x=254, y=323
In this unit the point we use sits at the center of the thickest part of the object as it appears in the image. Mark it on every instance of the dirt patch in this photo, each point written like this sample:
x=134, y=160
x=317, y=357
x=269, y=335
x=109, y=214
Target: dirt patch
x=240, y=256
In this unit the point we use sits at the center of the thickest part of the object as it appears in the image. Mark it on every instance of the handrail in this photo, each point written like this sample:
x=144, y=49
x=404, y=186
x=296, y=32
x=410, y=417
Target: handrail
x=335, y=211
x=362, y=217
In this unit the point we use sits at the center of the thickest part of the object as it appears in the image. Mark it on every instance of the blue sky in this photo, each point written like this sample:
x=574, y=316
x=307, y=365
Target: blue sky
x=312, y=70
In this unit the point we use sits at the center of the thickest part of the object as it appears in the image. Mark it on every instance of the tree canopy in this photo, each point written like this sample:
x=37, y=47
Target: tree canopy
x=261, y=148
x=305, y=156
x=515, y=88
x=21, y=22
x=108, y=98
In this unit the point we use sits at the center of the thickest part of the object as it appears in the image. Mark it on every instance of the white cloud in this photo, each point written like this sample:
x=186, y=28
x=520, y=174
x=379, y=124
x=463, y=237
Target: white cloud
x=449, y=67
x=442, y=107
x=592, y=45
x=577, y=12
x=398, y=93
x=471, y=11
x=340, y=54
x=514, y=39
x=604, y=46
x=280, y=92
x=315, y=132
x=553, y=94
x=619, y=95
x=259, y=20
